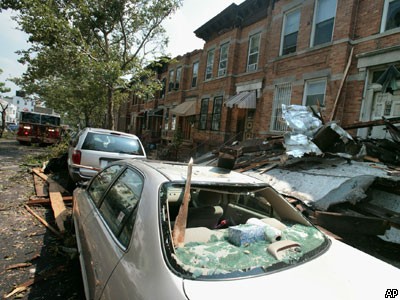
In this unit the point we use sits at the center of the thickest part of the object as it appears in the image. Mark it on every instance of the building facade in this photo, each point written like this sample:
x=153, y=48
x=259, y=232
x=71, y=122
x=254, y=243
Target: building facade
x=341, y=58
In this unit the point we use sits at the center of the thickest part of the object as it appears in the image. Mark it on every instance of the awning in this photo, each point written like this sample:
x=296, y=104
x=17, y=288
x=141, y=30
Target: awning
x=245, y=99
x=185, y=109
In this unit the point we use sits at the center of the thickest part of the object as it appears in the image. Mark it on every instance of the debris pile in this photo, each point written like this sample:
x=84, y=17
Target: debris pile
x=342, y=183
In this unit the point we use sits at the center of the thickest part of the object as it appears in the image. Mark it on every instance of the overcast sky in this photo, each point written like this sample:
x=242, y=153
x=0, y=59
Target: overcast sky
x=179, y=26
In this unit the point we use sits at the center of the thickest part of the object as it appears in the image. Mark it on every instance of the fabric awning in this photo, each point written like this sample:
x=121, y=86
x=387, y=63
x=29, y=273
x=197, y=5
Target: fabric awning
x=245, y=99
x=185, y=109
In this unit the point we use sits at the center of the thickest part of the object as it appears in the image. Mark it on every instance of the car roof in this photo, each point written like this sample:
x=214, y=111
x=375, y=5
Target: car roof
x=177, y=172
x=108, y=131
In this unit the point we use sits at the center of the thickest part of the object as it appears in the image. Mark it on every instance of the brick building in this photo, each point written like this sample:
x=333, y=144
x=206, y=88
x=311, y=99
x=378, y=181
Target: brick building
x=340, y=57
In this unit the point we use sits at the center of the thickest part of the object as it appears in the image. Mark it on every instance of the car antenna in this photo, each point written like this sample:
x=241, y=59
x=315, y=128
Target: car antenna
x=178, y=233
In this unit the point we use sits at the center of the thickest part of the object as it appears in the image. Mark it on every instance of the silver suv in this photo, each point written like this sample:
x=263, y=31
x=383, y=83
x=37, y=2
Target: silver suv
x=93, y=148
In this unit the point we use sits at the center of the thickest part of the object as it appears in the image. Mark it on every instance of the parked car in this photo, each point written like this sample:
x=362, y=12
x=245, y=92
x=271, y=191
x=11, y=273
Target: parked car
x=242, y=240
x=93, y=148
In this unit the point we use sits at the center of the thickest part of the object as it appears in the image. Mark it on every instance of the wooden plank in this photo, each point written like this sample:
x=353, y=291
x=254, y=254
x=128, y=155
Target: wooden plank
x=39, y=172
x=40, y=186
x=46, y=201
x=380, y=212
x=346, y=71
x=58, y=206
x=43, y=221
x=178, y=234
x=338, y=222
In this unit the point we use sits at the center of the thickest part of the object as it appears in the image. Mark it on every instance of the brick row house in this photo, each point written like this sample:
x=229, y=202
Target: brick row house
x=340, y=57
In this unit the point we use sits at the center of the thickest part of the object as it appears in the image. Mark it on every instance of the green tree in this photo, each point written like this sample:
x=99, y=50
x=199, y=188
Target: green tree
x=3, y=88
x=88, y=49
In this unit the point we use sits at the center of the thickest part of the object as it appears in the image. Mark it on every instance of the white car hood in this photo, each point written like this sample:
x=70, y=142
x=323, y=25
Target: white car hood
x=341, y=273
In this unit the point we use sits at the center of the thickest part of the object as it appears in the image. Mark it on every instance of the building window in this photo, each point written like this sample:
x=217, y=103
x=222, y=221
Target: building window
x=314, y=93
x=391, y=15
x=166, y=119
x=254, y=49
x=210, y=63
x=282, y=95
x=223, y=60
x=216, y=116
x=171, y=80
x=324, y=19
x=178, y=77
x=203, y=114
x=290, y=32
x=173, y=122
x=195, y=73
x=162, y=92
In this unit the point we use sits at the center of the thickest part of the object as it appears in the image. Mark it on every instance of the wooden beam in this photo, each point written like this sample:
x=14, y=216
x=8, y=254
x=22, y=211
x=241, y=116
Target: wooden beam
x=40, y=186
x=46, y=201
x=339, y=222
x=58, y=206
x=346, y=71
x=43, y=221
x=39, y=172
x=178, y=234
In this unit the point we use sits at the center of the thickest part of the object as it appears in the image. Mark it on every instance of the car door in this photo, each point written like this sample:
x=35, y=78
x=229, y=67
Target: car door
x=109, y=227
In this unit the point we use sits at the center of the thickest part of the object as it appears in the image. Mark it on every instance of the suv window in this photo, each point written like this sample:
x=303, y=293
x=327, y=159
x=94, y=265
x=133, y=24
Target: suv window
x=119, y=206
x=102, y=181
x=112, y=143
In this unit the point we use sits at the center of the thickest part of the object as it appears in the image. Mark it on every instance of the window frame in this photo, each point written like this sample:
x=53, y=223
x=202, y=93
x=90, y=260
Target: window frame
x=217, y=113
x=315, y=24
x=385, y=16
x=284, y=27
x=205, y=102
x=195, y=74
x=255, y=53
x=307, y=88
x=208, y=74
x=178, y=77
x=130, y=216
x=171, y=80
x=223, y=59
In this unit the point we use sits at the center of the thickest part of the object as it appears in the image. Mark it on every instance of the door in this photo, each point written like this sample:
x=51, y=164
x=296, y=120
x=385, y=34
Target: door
x=106, y=231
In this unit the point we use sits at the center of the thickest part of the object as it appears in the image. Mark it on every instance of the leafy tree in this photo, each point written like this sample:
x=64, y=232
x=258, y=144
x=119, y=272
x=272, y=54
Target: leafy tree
x=3, y=88
x=82, y=51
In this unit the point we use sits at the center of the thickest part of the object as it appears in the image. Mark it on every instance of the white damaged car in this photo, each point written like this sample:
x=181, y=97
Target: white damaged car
x=236, y=238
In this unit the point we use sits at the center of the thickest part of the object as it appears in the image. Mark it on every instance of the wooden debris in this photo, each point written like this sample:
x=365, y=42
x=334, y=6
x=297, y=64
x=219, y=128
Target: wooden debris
x=58, y=206
x=18, y=266
x=42, y=276
x=40, y=173
x=178, y=234
x=56, y=199
x=43, y=221
x=40, y=186
x=341, y=222
x=46, y=200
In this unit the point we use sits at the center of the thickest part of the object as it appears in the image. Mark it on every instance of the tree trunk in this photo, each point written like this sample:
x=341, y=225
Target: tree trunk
x=3, y=119
x=110, y=108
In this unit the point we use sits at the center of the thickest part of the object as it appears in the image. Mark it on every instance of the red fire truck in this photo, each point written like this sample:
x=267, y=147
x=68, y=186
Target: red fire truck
x=39, y=128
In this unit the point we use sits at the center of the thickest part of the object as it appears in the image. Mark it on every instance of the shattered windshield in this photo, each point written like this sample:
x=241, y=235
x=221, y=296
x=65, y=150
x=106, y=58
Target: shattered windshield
x=232, y=233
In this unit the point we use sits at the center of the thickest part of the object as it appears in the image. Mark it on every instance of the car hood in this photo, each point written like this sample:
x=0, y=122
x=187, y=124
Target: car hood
x=342, y=272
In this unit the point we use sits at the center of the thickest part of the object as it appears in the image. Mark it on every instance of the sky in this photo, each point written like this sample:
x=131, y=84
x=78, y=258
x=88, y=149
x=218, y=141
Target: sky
x=180, y=29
